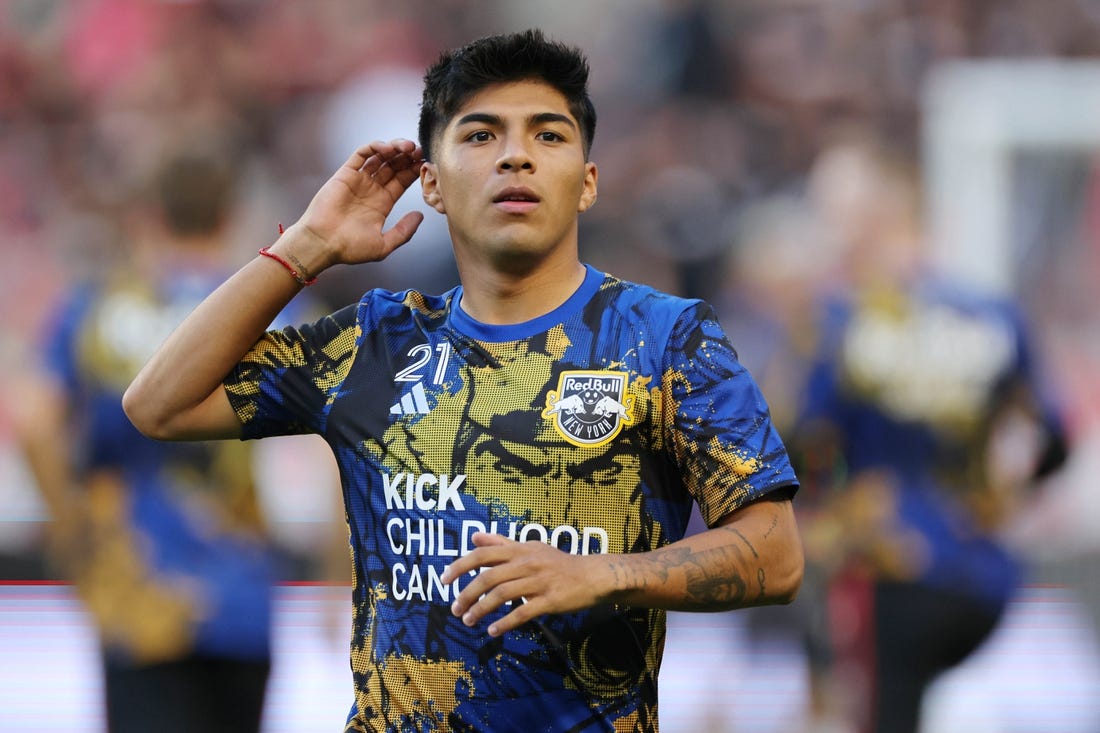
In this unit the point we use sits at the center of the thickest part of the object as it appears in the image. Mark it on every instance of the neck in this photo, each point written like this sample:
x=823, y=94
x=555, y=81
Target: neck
x=502, y=298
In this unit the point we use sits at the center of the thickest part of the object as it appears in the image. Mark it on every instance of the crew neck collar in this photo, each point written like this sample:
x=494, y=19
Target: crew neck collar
x=467, y=325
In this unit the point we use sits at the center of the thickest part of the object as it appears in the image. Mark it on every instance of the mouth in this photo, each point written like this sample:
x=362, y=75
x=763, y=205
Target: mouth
x=516, y=199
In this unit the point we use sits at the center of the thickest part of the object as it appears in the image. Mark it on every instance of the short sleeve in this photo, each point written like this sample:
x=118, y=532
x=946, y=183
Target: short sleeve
x=717, y=421
x=286, y=382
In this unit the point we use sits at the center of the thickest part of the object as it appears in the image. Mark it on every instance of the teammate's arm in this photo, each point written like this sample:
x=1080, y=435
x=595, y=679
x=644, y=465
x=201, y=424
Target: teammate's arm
x=40, y=417
x=178, y=394
x=752, y=557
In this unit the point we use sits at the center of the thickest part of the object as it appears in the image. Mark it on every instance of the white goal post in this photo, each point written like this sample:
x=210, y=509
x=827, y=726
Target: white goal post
x=976, y=115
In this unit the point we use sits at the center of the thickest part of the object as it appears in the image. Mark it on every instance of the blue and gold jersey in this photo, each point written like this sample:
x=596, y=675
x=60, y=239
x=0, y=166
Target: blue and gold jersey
x=592, y=428
x=165, y=542
x=912, y=383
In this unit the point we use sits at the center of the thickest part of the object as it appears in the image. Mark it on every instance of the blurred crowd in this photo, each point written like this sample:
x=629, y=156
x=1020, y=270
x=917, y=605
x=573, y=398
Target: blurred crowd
x=707, y=106
x=721, y=144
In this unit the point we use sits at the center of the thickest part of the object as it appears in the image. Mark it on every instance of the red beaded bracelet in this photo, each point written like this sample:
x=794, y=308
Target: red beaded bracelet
x=302, y=277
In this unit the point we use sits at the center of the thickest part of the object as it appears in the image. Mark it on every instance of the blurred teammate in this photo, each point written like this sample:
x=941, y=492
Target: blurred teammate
x=926, y=419
x=520, y=454
x=164, y=542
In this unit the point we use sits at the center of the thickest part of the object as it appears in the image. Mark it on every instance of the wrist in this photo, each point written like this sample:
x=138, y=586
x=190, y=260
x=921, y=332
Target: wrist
x=306, y=253
x=613, y=578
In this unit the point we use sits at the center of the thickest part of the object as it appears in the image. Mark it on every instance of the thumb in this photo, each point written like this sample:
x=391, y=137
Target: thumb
x=403, y=230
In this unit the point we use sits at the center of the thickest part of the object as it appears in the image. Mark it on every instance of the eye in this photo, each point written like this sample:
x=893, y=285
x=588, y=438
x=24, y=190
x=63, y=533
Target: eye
x=550, y=136
x=481, y=136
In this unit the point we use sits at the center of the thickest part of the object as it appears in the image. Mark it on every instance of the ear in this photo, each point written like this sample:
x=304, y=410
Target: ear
x=429, y=183
x=588, y=193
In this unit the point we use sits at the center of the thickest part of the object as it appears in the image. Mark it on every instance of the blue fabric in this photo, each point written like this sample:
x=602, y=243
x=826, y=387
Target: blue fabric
x=593, y=428
x=170, y=529
x=907, y=380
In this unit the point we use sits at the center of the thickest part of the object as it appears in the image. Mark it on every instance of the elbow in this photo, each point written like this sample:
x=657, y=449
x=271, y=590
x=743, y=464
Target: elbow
x=790, y=577
x=140, y=414
x=157, y=416
x=790, y=561
x=785, y=572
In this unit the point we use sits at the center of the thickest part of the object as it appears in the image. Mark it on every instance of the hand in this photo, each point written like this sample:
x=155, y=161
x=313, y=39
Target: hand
x=874, y=532
x=542, y=578
x=349, y=212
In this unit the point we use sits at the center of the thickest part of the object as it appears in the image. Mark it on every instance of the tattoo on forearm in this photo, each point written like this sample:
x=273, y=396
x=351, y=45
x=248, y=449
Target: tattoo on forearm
x=712, y=578
x=771, y=528
x=745, y=540
x=670, y=559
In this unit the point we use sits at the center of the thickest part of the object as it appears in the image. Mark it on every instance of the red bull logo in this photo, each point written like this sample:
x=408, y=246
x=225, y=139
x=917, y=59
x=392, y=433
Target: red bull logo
x=589, y=408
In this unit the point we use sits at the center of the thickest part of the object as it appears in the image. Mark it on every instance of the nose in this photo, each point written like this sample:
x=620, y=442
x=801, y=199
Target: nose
x=515, y=156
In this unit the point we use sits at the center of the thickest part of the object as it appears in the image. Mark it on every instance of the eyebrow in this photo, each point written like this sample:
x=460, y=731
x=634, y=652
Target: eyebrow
x=491, y=119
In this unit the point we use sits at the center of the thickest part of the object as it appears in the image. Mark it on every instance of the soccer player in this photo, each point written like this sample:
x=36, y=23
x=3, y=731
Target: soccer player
x=165, y=543
x=519, y=455
x=930, y=419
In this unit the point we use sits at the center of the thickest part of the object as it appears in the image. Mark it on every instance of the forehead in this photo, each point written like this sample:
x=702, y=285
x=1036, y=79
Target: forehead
x=521, y=99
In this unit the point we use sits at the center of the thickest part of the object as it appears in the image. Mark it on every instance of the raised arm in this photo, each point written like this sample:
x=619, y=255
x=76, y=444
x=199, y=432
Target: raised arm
x=754, y=557
x=178, y=393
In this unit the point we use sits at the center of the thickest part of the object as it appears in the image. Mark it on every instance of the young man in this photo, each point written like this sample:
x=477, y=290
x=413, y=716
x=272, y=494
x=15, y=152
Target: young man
x=519, y=455
x=165, y=543
x=920, y=459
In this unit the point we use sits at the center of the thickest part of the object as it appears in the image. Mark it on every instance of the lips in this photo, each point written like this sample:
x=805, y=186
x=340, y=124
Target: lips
x=517, y=194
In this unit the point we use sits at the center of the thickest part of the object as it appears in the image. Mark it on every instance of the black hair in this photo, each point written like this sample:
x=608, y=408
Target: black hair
x=459, y=74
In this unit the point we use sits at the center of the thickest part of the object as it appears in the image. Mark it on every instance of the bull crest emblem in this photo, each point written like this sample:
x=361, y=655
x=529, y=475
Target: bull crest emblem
x=589, y=408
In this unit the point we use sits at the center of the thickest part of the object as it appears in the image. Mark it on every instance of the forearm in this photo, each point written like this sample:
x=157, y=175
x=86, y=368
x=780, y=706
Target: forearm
x=754, y=558
x=178, y=394
x=40, y=419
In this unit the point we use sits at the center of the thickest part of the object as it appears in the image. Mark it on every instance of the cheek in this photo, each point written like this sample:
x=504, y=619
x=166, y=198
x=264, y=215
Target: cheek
x=455, y=189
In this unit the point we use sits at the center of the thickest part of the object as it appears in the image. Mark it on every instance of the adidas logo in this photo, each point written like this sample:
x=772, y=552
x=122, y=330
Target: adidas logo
x=414, y=403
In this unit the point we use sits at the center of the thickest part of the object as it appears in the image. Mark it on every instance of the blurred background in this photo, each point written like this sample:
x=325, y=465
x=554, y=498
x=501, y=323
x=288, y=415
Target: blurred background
x=716, y=121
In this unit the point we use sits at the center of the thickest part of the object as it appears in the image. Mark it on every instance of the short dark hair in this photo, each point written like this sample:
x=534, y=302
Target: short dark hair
x=459, y=74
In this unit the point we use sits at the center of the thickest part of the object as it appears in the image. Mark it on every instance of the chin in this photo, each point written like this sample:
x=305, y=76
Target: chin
x=517, y=260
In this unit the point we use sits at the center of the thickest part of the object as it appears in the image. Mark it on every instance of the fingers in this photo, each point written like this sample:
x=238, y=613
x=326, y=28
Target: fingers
x=536, y=578
x=390, y=167
x=496, y=591
x=492, y=588
x=373, y=155
x=403, y=167
x=478, y=558
x=402, y=231
x=494, y=584
x=521, y=614
x=384, y=161
x=488, y=539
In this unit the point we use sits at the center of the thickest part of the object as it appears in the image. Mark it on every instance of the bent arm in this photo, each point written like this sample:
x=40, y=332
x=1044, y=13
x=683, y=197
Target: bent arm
x=754, y=557
x=178, y=394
